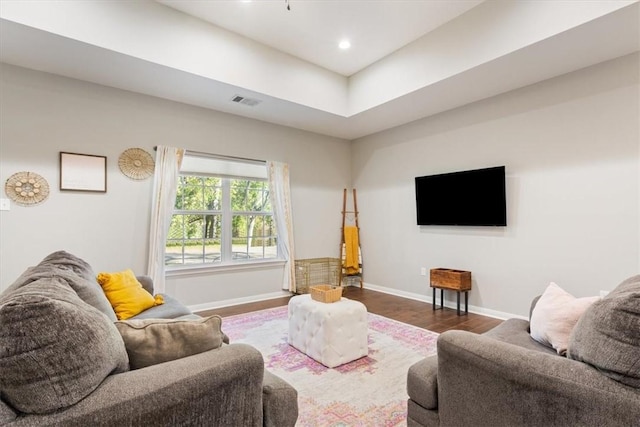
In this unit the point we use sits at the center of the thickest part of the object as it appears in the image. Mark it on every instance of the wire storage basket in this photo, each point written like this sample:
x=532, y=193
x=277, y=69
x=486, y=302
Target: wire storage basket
x=316, y=271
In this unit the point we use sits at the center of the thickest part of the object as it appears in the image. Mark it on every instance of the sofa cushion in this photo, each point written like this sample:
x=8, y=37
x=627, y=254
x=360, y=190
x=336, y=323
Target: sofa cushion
x=170, y=309
x=516, y=332
x=76, y=272
x=279, y=402
x=555, y=315
x=126, y=294
x=607, y=336
x=56, y=349
x=153, y=341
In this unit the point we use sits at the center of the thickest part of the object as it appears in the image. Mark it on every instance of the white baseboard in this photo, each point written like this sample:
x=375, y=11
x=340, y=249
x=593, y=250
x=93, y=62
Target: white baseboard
x=236, y=301
x=450, y=304
x=391, y=291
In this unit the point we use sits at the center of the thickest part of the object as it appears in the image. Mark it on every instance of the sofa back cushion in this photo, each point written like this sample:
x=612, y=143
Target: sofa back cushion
x=56, y=349
x=607, y=336
x=76, y=272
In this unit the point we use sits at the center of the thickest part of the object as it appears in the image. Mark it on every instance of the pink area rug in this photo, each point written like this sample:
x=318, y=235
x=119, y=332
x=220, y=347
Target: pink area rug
x=370, y=391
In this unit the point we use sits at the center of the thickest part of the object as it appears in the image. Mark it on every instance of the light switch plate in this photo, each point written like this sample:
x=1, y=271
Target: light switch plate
x=5, y=205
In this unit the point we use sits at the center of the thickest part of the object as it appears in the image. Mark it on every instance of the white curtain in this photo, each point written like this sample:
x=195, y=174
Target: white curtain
x=165, y=184
x=280, y=196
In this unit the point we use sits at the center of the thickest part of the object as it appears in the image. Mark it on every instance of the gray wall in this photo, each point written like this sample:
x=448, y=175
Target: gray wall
x=42, y=114
x=570, y=144
x=571, y=150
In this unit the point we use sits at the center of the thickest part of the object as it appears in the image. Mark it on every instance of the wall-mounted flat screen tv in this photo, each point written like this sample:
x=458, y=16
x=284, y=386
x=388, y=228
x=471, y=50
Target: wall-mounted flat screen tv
x=473, y=197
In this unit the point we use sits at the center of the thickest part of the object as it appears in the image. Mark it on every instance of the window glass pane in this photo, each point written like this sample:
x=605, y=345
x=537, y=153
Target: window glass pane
x=211, y=181
x=193, y=226
x=268, y=241
x=254, y=236
x=189, y=193
x=194, y=251
x=239, y=235
x=212, y=251
x=239, y=225
x=213, y=226
x=212, y=192
x=267, y=202
x=239, y=195
x=248, y=196
x=176, y=230
x=173, y=254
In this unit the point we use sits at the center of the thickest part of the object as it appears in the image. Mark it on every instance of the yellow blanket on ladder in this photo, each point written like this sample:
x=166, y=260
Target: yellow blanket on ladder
x=352, y=251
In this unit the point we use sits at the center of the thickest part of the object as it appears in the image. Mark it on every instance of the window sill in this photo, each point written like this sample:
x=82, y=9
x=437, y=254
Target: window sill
x=200, y=270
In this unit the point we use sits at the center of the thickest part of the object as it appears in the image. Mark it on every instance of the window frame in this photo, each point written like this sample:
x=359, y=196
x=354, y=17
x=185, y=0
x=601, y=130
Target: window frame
x=227, y=261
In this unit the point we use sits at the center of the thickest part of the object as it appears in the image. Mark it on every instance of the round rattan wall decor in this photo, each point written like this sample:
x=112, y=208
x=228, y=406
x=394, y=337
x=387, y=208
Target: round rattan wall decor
x=26, y=188
x=136, y=163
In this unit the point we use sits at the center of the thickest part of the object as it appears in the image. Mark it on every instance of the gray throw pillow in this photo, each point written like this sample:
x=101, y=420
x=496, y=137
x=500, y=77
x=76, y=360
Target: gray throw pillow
x=153, y=341
x=56, y=349
x=607, y=336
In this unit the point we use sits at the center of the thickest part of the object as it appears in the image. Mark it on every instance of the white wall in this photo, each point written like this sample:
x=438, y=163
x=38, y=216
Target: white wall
x=571, y=147
x=42, y=114
x=571, y=150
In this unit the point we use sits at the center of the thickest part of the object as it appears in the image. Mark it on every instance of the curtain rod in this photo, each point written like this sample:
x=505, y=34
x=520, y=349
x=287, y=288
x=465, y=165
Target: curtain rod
x=220, y=156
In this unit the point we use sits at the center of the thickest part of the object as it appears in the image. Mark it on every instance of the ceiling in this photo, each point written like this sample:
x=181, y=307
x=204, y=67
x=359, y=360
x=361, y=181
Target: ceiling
x=408, y=60
x=312, y=29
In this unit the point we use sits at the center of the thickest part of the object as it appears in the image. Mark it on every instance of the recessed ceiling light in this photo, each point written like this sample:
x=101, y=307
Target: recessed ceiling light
x=344, y=44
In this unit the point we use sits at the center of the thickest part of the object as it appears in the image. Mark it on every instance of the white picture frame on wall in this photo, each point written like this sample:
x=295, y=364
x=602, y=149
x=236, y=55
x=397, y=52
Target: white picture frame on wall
x=83, y=172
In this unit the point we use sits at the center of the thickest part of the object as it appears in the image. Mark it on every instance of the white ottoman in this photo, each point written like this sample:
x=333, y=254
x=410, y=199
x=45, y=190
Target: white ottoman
x=331, y=333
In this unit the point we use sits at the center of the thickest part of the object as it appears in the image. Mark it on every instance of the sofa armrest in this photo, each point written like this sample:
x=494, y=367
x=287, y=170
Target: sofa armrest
x=422, y=382
x=280, y=402
x=482, y=381
x=219, y=387
x=146, y=282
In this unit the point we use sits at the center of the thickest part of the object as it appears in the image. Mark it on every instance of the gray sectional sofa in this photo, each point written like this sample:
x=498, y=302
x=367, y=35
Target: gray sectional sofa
x=505, y=378
x=63, y=362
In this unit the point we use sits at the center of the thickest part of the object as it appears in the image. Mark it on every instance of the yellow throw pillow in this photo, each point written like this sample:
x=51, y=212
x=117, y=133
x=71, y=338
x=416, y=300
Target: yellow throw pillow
x=126, y=295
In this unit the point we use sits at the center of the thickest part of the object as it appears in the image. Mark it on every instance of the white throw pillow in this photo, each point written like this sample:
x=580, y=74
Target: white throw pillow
x=555, y=315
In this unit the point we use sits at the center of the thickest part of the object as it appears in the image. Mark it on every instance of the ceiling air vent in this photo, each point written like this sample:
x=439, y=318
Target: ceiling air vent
x=251, y=102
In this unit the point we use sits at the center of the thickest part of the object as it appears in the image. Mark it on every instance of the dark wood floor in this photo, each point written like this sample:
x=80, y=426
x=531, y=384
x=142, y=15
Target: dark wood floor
x=405, y=310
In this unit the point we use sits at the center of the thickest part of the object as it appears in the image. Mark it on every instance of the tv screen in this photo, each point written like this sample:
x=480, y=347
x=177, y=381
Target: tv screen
x=473, y=197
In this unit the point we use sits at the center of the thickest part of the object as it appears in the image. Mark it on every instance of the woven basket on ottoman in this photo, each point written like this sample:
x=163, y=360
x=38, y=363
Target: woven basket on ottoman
x=331, y=333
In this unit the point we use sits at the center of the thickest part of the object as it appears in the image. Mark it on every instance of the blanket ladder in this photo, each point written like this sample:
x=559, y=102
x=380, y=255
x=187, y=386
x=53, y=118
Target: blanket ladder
x=343, y=256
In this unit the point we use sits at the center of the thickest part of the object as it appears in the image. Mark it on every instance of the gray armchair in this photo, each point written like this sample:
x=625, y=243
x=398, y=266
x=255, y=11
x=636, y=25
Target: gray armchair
x=505, y=378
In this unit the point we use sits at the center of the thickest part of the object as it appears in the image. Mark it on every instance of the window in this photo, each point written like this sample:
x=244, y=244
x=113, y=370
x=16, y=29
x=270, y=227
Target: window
x=220, y=220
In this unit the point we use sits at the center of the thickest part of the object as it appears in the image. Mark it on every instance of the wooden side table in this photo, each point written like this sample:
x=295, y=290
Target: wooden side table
x=455, y=280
